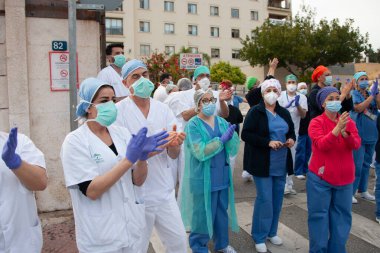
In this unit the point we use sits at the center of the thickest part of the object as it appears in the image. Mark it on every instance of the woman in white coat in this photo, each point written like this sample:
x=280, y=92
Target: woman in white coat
x=103, y=165
x=22, y=171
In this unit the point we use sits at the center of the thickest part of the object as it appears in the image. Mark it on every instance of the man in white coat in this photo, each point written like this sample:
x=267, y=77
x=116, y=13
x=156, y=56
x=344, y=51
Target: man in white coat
x=135, y=112
x=22, y=171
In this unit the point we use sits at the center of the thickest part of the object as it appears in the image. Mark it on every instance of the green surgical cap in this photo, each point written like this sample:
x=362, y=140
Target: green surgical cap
x=290, y=77
x=250, y=82
x=201, y=70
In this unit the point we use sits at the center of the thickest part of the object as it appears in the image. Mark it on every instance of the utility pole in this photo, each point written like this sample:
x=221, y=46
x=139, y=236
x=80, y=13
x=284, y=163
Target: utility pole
x=73, y=62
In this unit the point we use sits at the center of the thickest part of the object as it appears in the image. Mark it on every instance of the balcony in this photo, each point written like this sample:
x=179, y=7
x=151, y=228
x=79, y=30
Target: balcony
x=278, y=4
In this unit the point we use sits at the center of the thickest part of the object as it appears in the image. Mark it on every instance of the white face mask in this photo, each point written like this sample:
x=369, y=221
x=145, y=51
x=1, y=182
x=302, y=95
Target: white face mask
x=291, y=87
x=271, y=98
x=204, y=83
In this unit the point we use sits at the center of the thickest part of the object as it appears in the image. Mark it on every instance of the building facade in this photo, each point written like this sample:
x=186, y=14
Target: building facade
x=214, y=27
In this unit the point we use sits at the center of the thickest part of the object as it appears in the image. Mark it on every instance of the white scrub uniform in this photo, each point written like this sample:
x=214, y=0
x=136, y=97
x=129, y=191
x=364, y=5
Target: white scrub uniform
x=161, y=211
x=109, y=75
x=20, y=227
x=160, y=93
x=114, y=222
x=284, y=100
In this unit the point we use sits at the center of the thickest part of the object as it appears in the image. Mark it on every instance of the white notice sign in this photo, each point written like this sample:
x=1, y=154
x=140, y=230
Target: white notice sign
x=59, y=71
x=190, y=61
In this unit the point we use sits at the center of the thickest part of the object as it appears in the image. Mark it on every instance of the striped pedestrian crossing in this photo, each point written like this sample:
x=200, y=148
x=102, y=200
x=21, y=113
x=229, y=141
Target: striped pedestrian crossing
x=365, y=233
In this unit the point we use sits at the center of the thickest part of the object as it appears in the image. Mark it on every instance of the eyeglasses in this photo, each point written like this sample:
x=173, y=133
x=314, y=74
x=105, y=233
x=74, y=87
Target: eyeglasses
x=206, y=101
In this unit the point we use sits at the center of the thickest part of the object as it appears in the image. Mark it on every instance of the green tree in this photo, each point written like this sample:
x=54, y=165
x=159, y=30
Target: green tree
x=223, y=70
x=374, y=56
x=302, y=43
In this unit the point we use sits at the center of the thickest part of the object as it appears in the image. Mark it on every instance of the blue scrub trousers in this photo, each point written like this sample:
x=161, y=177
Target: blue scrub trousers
x=219, y=206
x=266, y=215
x=363, y=159
x=303, y=152
x=377, y=190
x=329, y=215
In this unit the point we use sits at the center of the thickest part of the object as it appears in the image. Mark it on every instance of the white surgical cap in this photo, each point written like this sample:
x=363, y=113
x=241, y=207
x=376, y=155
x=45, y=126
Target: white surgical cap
x=300, y=85
x=198, y=95
x=273, y=83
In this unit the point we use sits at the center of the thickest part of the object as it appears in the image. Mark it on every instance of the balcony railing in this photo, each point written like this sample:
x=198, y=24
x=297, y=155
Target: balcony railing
x=279, y=4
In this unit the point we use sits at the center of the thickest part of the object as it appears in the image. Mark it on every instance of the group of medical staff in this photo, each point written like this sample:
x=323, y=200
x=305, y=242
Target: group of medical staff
x=122, y=164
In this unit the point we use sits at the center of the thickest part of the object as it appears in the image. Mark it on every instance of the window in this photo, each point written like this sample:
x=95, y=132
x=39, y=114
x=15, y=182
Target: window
x=169, y=28
x=215, y=53
x=144, y=50
x=214, y=11
x=254, y=15
x=193, y=50
x=235, y=54
x=235, y=33
x=169, y=50
x=192, y=8
x=114, y=26
x=214, y=31
x=144, y=4
x=144, y=26
x=169, y=6
x=193, y=30
x=234, y=13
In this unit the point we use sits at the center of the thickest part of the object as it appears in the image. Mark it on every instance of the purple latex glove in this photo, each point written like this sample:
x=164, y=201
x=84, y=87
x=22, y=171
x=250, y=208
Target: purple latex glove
x=228, y=134
x=135, y=145
x=375, y=88
x=11, y=159
x=152, y=143
x=297, y=100
x=289, y=104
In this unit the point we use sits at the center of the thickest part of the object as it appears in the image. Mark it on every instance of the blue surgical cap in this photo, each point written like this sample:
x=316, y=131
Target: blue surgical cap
x=131, y=66
x=201, y=70
x=359, y=74
x=87, y=91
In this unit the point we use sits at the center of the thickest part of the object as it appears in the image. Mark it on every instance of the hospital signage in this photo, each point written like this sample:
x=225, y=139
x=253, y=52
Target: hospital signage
x=59, y=71
x=190, y=61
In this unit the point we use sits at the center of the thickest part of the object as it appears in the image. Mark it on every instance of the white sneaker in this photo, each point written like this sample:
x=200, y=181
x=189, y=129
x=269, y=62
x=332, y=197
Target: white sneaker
x=246, y=176
x=367, y=196
x=354, y=200
x=286, y=191
x=261, y=247
x=227, y=249
x=378, y=219
x=301, y=177
x=276, y=240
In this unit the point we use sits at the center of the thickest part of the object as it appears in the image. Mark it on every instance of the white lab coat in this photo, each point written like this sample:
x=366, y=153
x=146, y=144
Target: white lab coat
x=161, y=210
x=114, y=221
x=109, y=75
x=20, y=227
x=160, y=93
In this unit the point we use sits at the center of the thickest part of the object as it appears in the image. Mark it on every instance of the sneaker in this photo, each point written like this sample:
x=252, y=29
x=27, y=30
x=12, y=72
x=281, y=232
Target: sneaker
x=367, y=196
x=246, y=176
x=227, y=249
x=378, y=219
x=261, y=247
x=292, y=191
x=354, y=200
x=276, y=240
x=301, y=177
x=286, y=191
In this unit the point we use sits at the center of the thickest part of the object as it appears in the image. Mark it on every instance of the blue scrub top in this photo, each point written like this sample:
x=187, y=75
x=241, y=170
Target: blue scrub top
x=278, y=128
x=366, y=126
x=236, y=101
x=219, y=167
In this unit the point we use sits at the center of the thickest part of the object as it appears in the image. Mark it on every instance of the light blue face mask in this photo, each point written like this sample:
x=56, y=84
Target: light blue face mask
x=328, y=80
x=119, y=60
x=303, y=91
x=333, y=106
x=209, y=109
x=363, y=84
x=142, y=88
x=107, y=113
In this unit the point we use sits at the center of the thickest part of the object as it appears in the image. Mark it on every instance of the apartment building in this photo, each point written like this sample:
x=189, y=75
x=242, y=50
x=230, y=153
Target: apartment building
x=206, y=26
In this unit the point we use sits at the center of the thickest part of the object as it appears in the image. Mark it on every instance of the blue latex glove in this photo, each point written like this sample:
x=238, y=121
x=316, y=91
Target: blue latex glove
x=135, y=145
x=152, y=143
x=11, y=159
x=297, y=100
x=375, y=88
x=228, y=134
x=289, y=104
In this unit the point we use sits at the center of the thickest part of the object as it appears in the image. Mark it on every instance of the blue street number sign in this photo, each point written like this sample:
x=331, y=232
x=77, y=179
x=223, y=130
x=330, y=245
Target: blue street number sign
x=57, y=45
